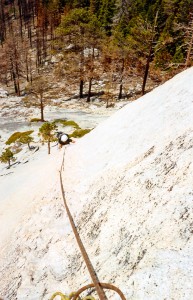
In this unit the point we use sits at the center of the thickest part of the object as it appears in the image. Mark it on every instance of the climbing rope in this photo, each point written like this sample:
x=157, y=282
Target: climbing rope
x=98, y=286
x=107, y=286
x=76, y=296
x=64, y=297
x=90, y=268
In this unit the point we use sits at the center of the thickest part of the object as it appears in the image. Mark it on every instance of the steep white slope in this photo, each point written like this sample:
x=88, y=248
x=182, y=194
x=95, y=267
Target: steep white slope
x=133, y=175
x=129, y=187
x=21, y=185
x=153, y=120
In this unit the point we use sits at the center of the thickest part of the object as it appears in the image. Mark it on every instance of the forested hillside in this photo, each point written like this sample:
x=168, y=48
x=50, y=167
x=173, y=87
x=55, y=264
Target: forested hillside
x=83, y=42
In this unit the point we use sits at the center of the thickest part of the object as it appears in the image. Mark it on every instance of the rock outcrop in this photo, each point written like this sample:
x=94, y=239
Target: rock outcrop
x=129, y=187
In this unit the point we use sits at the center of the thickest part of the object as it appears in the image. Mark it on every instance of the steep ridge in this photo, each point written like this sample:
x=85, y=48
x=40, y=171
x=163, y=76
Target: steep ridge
x=129, y=187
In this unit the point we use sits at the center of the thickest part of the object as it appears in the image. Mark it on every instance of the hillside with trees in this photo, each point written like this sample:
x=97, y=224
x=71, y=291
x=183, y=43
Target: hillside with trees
x=81, y=43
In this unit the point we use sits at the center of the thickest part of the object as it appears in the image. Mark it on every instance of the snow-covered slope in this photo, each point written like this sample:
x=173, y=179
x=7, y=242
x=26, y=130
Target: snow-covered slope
x=129, y=186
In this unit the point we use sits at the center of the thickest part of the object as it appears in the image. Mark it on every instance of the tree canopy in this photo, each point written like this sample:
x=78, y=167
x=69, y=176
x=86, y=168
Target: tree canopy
x=31, y=30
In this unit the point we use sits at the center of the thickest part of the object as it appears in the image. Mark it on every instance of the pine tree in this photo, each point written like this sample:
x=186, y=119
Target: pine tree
x=121, y=57
x=7, y=156
x=106, y=14
x=72, y=31
x=150, y=55
x=80, y=30
x=38, y=88
x=93, y=42
x=47, y=132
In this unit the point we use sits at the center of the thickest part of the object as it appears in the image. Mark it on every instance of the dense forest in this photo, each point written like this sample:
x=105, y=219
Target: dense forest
x=111, y=40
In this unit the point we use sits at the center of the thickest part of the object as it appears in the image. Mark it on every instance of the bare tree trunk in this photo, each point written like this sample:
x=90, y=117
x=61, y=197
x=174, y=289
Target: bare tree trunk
x=44, y=43
x=121, y=84
x=187, y=64
x=13, y=7
x=18, y=84
x=32, y=10
x=29, y=33
x=6, y=79
x=81, y=88
x=89, y=89
x=30, y=70
x=20, y=18
x=107, y=103
x=147, y=70
x=81, y=72
x=38, y=49
x=48, y=147
x=18, y=88
x=150, y=55
x=42, y=108
x=27, y=68
x=120, y=91
x=2, y=22
x=14, y=77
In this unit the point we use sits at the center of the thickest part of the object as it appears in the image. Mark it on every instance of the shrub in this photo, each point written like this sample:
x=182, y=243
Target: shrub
x=78, y=133
x=67, y=123
x=16, y=136
x=35, y=120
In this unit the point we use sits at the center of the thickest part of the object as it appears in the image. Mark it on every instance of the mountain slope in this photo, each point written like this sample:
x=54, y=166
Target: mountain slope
x=129, y=187
x=132, y=174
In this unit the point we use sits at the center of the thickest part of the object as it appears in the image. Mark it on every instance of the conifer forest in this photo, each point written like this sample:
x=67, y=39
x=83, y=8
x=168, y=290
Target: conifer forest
x=81, y=43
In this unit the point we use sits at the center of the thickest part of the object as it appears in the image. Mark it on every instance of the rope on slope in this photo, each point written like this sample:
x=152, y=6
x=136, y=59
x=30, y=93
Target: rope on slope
x=64, y=297
x=90, y=268
x=75, y=296
x=107, y=286
x=96, y=284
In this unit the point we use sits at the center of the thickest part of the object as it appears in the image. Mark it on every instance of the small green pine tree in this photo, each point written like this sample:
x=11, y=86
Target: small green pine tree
x=7, y=156
x=46, y=131
x=26, y=139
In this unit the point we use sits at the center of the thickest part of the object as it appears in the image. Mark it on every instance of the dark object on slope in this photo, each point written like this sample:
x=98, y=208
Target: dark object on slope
x=63, y=138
